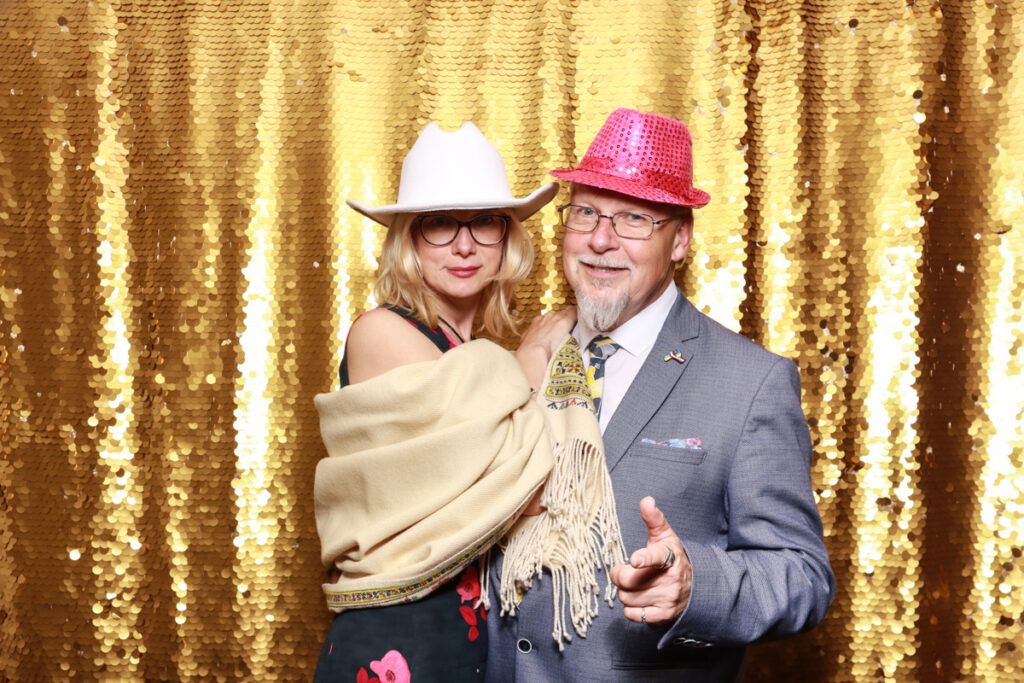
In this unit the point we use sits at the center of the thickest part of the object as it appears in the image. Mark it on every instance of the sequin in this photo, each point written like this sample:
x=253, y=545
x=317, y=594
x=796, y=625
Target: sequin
x=178, y=271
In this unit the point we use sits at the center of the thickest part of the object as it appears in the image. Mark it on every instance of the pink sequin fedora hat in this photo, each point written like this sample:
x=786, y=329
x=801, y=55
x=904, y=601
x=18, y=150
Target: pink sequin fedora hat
x=641, y=155
x=458, y=170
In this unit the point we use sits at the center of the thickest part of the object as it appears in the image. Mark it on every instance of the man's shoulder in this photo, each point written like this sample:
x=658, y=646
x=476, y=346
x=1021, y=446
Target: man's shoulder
x=719, y=339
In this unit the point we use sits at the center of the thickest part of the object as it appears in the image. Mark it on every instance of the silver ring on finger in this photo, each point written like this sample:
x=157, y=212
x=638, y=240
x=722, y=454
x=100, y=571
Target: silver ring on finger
x=643, y=615
x=670, y=557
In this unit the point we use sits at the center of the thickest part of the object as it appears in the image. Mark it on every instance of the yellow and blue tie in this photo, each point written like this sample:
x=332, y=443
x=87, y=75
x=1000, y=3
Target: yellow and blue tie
x=600, y=349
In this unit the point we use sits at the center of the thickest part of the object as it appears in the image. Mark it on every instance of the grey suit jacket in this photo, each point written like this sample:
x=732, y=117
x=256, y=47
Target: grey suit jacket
x=742, y=506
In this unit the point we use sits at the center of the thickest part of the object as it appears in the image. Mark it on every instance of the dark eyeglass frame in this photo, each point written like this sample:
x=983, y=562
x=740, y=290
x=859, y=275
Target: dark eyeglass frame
x=505, y=220
x=597, y=222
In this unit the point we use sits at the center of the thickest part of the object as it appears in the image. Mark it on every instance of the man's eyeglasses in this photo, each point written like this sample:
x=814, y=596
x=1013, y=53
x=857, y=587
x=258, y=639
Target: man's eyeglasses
x=632, y=226
x=439, y=229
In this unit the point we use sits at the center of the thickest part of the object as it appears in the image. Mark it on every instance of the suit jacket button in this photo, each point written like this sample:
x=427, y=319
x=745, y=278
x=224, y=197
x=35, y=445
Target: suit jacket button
x=524, y=646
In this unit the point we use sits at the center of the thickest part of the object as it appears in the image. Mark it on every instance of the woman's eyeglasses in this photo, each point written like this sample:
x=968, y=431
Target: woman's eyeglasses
x=439, y=229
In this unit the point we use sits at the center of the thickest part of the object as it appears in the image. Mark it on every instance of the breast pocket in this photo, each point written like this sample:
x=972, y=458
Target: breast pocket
x=682, y=456
x=687, y=484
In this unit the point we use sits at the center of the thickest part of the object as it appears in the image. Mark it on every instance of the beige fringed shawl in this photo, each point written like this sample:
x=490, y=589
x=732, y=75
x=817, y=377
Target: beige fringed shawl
x=430, y=463
x=579, y=531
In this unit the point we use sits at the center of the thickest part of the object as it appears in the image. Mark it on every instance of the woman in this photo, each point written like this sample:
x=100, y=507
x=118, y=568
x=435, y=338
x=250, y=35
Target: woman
x=457, y=468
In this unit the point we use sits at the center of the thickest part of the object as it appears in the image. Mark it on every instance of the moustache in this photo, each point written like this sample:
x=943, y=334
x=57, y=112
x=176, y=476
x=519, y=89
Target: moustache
x=604, y=263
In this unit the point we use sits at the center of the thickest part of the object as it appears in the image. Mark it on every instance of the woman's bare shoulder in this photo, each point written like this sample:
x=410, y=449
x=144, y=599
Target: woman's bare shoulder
x=380, y=340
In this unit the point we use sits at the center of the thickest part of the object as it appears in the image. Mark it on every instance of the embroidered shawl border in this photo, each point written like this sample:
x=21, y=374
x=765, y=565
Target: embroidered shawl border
x=338, y=601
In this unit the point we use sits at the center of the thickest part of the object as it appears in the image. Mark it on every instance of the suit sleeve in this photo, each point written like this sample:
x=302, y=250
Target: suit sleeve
x=772, y=578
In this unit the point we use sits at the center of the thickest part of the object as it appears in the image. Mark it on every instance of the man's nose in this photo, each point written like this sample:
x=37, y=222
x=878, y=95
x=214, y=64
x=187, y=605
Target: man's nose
x=603, y=238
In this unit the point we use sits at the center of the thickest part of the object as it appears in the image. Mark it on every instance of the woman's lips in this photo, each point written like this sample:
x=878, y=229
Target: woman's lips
x=464, y=272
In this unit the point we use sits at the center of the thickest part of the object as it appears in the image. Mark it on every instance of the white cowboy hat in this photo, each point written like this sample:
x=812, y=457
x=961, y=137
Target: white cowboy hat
x=460, y=170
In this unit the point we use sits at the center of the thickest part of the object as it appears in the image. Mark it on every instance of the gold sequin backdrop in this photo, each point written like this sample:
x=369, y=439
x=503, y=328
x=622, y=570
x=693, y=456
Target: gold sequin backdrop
x=178, y=271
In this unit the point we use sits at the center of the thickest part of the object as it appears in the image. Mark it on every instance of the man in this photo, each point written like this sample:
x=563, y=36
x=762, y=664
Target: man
x=705, y=440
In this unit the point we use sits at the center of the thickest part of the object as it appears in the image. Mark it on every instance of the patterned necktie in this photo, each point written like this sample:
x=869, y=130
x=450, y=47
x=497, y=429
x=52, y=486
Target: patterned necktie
x=600, y=349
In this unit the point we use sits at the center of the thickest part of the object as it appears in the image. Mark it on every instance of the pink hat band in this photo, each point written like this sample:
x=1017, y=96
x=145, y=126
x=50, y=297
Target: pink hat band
x=640, y=155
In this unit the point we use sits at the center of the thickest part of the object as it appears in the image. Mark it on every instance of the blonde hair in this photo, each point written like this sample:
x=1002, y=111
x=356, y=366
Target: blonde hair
x=400, y=280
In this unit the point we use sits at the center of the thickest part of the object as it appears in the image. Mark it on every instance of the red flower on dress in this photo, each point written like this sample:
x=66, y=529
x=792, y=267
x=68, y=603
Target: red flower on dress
x=469, y=584
x=363, y=677
x=469, y=589
x=392, y=668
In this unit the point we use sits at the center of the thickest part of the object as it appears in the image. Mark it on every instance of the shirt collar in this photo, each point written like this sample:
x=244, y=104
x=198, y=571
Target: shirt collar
x=634, y=336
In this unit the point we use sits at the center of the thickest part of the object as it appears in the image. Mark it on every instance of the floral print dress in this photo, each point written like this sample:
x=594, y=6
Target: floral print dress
x=442, y=637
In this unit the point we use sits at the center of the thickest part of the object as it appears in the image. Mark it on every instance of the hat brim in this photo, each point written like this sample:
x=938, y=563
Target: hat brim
x=638, y=188
x=520, y=208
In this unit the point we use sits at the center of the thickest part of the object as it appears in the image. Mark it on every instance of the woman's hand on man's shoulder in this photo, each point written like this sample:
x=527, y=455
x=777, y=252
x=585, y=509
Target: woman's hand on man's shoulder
x=548, y=330
x=541, y=340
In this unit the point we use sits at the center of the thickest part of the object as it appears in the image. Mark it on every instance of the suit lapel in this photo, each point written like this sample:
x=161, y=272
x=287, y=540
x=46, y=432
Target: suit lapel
x=655, y=380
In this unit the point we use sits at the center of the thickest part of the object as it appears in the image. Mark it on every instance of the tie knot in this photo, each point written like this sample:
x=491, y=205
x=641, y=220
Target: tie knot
x=602, y=347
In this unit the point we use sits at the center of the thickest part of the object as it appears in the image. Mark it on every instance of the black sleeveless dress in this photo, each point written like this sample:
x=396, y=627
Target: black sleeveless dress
x=441, y=637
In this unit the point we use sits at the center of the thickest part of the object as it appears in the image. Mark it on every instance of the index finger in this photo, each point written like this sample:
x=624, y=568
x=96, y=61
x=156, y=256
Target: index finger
x=655, y=556
x=629, y=578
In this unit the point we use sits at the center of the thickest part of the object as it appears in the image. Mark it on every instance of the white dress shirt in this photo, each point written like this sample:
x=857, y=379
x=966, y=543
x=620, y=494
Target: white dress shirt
x=635, y=338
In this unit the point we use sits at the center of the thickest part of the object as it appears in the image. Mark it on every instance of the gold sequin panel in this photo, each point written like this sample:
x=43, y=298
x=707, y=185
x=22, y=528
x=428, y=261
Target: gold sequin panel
x=178, y=271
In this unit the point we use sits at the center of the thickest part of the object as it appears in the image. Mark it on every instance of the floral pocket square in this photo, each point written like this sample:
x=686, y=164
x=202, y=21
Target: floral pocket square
x=693, y=443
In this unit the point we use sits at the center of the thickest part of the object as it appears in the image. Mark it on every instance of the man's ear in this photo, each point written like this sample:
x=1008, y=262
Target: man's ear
x=681, y=239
